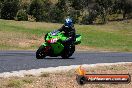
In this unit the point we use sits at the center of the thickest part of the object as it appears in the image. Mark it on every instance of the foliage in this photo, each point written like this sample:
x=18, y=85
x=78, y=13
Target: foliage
x=9, y=9
x=56, y=15
x=123, y=6
x=36, y=10
x=0, y=8
x=22, y=15
x=84, y=11
x=77, y=4
x=74, y=14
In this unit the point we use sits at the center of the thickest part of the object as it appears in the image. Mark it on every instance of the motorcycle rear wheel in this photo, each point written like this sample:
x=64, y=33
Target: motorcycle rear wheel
x=68, y=52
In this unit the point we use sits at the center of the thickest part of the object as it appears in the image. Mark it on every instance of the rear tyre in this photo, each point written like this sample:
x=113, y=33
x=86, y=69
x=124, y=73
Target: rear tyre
x=72, y=50
x=40, y=54
x=68, y=52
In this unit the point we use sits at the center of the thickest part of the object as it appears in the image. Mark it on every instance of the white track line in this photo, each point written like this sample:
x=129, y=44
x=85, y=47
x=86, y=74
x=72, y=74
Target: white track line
x=38, y=72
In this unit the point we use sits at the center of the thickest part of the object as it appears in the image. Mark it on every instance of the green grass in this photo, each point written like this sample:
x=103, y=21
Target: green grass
x=16, y=83
x=102, y=39
x=22, y=29
x=115, y=36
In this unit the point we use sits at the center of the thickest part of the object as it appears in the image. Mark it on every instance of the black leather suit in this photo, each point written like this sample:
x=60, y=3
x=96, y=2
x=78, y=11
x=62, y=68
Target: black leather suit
x=70, y=33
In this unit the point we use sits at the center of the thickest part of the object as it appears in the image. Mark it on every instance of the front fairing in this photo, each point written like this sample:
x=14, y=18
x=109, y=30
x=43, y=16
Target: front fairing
x=58, y=35
x=57, y=47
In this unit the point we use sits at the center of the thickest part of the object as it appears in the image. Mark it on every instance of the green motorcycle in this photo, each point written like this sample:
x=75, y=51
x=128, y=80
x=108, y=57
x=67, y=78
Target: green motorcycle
x=53, y=46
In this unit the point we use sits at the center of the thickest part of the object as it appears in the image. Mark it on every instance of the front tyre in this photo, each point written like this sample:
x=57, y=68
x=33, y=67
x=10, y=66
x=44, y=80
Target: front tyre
x=40, y=54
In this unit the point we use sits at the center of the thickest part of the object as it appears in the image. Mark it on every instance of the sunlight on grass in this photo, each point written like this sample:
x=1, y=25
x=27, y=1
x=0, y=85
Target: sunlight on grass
x=18, y=83
x=112, y=36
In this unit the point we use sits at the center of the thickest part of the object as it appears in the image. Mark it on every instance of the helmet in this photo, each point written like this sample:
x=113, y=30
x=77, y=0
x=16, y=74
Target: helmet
x=68, y=22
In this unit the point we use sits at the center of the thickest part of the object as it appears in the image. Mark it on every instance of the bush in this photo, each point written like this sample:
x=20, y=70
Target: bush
x=0, y=8
x=22, y=15
x=85, y=20
x=40, y=9
x=56, y=15
x=31, y=18
x=36, y=9
x=90, y=18
x=9, y=9
x=74, y=14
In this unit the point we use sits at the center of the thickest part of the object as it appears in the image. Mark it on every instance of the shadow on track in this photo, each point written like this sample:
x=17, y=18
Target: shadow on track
x=57, y=58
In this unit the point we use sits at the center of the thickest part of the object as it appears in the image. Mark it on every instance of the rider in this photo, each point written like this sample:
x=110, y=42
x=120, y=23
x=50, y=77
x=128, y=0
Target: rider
x=69, y=31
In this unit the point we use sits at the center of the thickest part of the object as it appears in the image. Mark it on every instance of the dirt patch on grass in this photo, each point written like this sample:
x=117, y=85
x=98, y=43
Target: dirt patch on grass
x=29, y=42
x=20, y=40
x=67, y=79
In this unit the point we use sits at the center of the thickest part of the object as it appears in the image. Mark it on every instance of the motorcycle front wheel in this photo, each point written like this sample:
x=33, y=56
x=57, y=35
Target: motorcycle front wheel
x=40, y=54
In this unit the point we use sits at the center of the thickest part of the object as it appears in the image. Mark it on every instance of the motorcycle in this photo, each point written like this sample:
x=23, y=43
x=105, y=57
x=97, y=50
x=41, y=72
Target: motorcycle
x=53, y=46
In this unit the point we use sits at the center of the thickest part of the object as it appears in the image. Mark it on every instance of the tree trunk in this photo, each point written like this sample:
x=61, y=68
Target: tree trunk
x=124, y=15
x=104, y=16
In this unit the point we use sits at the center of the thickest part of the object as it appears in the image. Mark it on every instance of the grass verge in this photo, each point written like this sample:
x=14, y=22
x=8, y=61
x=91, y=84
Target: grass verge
x=114, y=36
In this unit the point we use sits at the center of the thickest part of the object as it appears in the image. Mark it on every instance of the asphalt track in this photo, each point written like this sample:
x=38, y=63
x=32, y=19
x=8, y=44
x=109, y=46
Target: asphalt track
x=25, y=60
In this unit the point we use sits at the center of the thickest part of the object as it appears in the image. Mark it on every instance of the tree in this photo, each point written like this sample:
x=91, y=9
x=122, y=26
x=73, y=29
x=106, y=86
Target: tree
x=56, y=15
x=24, y=4
x=105, y=7
x=77, y=4
x=9, y=9
x=36, y=9
x=61, y=5
x=0, y=8
x=125, y=6
x=94, y=12
x=40, y=9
